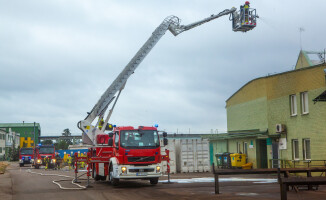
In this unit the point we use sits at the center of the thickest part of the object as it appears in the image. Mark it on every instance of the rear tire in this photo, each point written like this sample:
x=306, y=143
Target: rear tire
x=97, y=177
x=103, y=178
x=153, y=181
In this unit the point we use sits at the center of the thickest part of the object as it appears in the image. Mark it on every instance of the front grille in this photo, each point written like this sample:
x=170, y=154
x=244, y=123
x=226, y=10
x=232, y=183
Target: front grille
x=141, y=159
x=26, y=157
x=142, y=170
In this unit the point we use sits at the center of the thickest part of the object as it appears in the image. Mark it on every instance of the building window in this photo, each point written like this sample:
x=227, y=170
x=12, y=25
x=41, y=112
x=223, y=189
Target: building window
x=295, y=149
x=245, y=148
x=306, y=149
x=238, y=147
x=304, y=102
x=293, y=104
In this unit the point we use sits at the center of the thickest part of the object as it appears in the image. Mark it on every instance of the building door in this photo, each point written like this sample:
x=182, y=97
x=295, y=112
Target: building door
x=275, y=162
x=262, y=153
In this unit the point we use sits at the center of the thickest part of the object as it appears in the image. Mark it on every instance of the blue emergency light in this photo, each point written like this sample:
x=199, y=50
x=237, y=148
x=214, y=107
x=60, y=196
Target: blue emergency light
x=156, y=125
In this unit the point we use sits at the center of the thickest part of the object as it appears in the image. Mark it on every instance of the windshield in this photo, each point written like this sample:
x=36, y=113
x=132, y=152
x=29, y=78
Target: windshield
x=46, y=150
x=26, y=151
x=139, y=139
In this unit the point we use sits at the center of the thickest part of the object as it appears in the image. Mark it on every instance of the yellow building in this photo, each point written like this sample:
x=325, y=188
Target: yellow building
x=276, y=117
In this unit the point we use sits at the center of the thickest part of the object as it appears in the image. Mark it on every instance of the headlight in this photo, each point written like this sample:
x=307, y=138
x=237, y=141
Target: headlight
x=158, y=168
x=124, y=169
x=53, y=160
x=32, y=160
x=20, y=160
x=39, y=161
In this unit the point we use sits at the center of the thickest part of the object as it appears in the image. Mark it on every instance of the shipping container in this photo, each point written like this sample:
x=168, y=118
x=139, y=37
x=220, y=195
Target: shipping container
x=187, y=155
x=193, y=156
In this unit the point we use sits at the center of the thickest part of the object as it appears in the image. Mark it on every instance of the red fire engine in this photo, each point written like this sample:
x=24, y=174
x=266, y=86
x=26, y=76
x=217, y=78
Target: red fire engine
x=26, y=156
x=44, y=154
x=128, y=152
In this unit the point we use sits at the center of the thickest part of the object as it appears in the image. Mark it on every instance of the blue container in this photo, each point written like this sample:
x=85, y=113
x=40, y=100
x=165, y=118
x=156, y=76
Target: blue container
x=71, y=152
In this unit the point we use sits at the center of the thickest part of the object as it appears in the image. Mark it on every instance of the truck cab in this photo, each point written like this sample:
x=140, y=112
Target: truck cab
x=26, y=156
x=132, y=153
x=43, y=154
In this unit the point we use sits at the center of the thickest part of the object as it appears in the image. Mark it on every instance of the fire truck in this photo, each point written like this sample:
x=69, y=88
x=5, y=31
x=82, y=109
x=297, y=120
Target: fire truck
x=43, y=154
x=26, y=156
x=134, y=153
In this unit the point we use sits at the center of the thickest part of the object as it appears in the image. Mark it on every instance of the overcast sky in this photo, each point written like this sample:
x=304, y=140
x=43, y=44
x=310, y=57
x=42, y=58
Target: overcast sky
x=58, y=57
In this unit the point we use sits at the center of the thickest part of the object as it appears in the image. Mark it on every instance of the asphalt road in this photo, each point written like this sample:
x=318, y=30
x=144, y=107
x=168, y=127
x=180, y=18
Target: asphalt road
x=33, y=186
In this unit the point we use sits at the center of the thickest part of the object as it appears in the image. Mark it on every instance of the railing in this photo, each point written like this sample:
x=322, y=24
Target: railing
x=279, y=163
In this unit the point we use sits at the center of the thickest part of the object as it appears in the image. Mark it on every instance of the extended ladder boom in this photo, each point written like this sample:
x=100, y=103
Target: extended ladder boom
x=171, y=23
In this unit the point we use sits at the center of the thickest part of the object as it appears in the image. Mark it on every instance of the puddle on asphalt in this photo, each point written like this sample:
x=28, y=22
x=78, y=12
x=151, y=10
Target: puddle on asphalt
x=246, y=194
x=209, y=179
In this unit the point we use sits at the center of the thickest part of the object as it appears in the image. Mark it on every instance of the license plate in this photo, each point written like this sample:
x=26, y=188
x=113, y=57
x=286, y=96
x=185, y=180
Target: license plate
x=141, y=174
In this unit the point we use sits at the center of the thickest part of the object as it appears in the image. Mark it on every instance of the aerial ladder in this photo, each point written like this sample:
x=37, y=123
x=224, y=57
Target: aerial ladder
x=171, y=23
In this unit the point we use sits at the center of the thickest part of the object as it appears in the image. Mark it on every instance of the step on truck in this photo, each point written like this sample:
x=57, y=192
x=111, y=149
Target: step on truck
x=26, y=156
x=44, y=156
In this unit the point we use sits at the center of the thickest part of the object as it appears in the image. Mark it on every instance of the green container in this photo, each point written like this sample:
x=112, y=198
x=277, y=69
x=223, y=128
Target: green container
x=219, y=159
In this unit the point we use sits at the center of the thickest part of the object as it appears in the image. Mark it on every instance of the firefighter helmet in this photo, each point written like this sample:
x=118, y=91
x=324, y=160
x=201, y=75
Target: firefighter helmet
x=247, y=3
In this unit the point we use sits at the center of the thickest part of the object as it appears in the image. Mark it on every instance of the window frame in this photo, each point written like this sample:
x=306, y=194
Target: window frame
x=293, y=105
x=238, y=147
x=305, y=148
x=304, y=102
x=295, y=152
x=245, y=148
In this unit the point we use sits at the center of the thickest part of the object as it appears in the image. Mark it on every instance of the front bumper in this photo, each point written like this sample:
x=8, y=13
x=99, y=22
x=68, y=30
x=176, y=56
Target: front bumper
x=25, y=161
x=139, y=172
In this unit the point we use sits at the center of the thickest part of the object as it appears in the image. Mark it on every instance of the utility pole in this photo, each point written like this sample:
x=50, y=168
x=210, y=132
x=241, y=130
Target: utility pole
x=34, y=135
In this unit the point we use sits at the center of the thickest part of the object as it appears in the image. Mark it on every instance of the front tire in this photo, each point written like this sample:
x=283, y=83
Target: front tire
x=37, y=166
x=114, y=181
x=153, y=181
x=21, y=164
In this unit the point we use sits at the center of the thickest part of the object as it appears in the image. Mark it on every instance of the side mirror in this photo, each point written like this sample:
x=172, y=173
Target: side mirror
x=110, y=143
x=165, y=134
x=111, y=135
x=165, y=141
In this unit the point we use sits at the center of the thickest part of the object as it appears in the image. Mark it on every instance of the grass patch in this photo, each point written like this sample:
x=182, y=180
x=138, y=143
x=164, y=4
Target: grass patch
x=3, y=166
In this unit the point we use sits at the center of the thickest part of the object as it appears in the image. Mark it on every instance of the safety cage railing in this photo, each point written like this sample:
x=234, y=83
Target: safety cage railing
x=244, y=20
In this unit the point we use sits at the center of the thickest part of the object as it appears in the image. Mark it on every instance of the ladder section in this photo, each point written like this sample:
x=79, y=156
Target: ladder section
x=119, y=82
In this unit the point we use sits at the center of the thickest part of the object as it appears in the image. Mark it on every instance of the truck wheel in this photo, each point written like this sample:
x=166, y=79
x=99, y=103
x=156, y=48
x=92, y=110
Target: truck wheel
x=97, y=177
x=114, y=181
x=103, y=178
x=153, y=181
x=21, y=164
x=37, y=166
